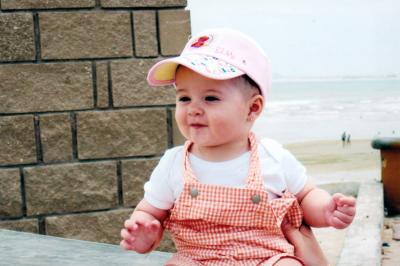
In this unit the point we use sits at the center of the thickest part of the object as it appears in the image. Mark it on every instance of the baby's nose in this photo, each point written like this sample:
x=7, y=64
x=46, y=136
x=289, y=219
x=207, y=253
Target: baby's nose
x=195, y=109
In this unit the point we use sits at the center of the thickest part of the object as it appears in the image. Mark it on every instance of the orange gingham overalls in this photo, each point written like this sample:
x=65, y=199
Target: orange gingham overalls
x=218, y=225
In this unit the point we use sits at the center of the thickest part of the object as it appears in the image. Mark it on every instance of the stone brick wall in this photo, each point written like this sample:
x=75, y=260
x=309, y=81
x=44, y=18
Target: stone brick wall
x=80, y=129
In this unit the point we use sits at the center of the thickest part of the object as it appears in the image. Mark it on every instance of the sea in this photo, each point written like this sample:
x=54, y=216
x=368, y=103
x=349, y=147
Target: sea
x=309, y=110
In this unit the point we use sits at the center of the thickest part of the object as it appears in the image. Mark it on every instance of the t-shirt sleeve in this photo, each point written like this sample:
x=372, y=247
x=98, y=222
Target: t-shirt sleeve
x=158, y=191
x=295, y=173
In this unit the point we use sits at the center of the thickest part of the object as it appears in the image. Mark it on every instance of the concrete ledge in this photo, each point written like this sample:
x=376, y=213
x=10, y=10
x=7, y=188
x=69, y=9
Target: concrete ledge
x=17, y=248
x=346, y=188
x=363, y=242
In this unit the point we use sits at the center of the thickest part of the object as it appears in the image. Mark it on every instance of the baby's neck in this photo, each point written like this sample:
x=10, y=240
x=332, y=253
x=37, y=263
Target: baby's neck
x=221, y=152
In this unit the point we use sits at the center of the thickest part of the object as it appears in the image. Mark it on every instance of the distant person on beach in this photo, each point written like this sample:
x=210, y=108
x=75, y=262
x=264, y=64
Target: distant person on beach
x=348, y=141
x=343, y=138
x=225, y=195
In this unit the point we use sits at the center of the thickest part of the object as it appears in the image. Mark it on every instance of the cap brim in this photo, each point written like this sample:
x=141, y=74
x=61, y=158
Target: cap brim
x=163, y=72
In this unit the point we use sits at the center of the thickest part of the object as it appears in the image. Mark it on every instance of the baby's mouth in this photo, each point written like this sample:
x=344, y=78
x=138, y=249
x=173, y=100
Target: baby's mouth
x=197, y=125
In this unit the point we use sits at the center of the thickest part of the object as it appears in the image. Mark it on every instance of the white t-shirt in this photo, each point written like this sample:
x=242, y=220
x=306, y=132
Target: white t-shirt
x=280, y=170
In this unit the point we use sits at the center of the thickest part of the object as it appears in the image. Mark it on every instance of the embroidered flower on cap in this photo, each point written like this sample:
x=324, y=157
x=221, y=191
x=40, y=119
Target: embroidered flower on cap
x=203, y=40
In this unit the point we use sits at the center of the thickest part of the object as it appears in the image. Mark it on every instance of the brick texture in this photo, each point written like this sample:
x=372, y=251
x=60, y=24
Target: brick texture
x=166, y=244
x=70, y=187
x=25, y=225
x=17, y=145
x=98, y=226
x=174, y=28
x=56, y=137
x=42, y=4
x=102, y=84
x=130, y=87
x=143, y=3
x=145, y=31
x=80, y=128
x=177, y=137
x=17, y=41
x=45, y=87
x=10, y=193
x=134, y=174
x=85, y=35
x=121, y=133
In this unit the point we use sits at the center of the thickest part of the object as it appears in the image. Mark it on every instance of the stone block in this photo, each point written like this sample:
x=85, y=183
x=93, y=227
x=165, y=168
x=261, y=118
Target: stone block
x=45, y=87
x=130, y=87
x=145, y=31
x=174, y=30
x=102, y=84
x=96, y=226
x=10, y=193
x=143, y=3
x=166, y=244
x=121, y=133
x=45, y=4
x=17, y=145
x=66, y=35
x=101, y=227
x=56, y=137
x=134, y=174
x=17, y=37
x=177, y=137
x=70, y=187
x=23, y=225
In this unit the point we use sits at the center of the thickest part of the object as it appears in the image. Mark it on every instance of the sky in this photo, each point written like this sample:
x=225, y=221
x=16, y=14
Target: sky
x=313, y=38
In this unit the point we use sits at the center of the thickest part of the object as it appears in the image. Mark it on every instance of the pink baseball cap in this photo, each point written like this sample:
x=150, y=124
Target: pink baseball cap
x=217, y=54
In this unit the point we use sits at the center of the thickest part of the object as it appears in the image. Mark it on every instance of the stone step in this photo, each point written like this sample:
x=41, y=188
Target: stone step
x=17, y=248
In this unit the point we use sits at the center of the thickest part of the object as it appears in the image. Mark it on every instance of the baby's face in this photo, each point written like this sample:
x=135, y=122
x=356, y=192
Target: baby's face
x=210, y=112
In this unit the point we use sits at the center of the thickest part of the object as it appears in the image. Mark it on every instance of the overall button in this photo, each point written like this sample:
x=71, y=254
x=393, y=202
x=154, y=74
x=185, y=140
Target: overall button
x=256, y=199
x=194, y=192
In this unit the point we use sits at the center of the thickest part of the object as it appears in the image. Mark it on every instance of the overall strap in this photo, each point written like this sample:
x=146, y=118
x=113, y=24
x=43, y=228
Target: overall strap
x=188, y=175
x=254, y=179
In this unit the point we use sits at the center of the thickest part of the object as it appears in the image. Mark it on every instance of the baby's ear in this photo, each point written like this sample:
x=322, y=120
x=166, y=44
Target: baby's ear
x=256, y=106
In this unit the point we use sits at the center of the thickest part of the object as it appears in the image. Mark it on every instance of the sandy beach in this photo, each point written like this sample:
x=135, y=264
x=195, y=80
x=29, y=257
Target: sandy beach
x=329, y=161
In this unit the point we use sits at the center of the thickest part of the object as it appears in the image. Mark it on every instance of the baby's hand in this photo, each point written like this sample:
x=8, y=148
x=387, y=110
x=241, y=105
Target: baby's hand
x=340, y=211
x=141, y=232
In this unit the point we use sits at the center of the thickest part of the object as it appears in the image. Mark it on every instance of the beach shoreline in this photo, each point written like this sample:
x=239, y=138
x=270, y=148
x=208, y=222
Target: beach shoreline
x=329, y=161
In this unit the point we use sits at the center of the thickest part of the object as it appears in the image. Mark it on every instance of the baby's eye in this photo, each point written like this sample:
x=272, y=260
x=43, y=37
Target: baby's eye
x=184, y=99
x=211, y=98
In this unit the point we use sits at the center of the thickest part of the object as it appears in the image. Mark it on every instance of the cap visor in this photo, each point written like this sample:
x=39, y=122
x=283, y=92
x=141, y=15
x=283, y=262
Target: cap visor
x=163, y=72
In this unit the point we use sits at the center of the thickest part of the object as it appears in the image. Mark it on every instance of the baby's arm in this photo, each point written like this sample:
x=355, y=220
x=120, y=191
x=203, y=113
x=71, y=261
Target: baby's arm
x=143, y=231
x=321, y=209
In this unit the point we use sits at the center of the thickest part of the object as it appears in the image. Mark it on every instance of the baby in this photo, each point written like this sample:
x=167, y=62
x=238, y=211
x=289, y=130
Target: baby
x=224, y=195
